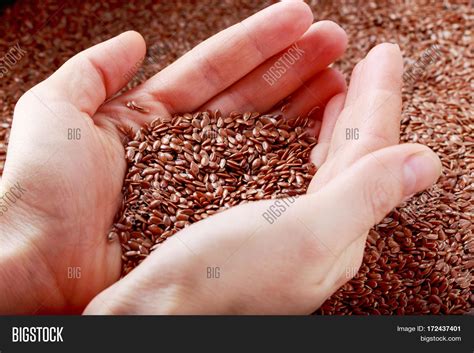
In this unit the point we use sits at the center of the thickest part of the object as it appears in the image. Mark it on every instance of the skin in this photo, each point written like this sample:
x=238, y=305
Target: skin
x=73, y=185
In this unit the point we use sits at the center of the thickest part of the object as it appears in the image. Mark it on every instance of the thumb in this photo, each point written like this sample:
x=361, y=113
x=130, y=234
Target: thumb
x=95, y=74
x=357, y=199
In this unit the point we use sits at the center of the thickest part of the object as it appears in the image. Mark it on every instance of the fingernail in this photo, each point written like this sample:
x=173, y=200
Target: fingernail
x=420, y=171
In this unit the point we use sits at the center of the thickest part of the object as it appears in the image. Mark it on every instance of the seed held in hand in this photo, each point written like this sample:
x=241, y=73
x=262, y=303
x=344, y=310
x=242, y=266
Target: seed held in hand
x=205, y=163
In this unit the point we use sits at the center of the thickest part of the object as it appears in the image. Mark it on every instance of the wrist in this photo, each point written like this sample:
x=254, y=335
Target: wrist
x=15, y=272
x=21, y=269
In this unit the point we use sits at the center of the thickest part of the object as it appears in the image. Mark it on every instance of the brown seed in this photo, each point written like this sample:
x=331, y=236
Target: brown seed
x=155, y=230
x=190, y=178
x=134, y=106
x=112, y=236
x=256, y=163
x=155, y=204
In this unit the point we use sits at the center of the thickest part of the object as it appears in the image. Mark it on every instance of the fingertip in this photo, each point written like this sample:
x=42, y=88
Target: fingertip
x=298, y=8
x=385, y=52
x=134, y=36
x=383, y=70
x=296, y=15
x=335, y=33
x=421, y=169
x=133, y=40
x=393, y=48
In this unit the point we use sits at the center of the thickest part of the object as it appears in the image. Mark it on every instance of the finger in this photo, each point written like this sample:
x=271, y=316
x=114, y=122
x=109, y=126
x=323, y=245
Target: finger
x=95, y=74
x=331, y=113
x=280, y=76
x=354, y=201
x=373, y=120
x=313, y=96
x=354, y=87
x=223, y=59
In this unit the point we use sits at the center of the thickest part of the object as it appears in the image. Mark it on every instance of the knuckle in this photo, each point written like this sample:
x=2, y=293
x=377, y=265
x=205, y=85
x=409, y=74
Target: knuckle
x=312, y=248
x=24, y=100
x=378, y=198
x=351, y=262
x=351, y=269
x=212, y=72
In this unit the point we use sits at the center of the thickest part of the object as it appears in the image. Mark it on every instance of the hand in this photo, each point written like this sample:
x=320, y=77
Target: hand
x=292, y=263
x=66, y=153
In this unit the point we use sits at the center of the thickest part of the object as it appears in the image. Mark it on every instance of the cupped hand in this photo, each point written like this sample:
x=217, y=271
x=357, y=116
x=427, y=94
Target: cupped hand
x=66, y=151
x=248, y=260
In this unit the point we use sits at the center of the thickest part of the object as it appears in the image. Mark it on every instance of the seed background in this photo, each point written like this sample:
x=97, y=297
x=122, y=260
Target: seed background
x=419, y=259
